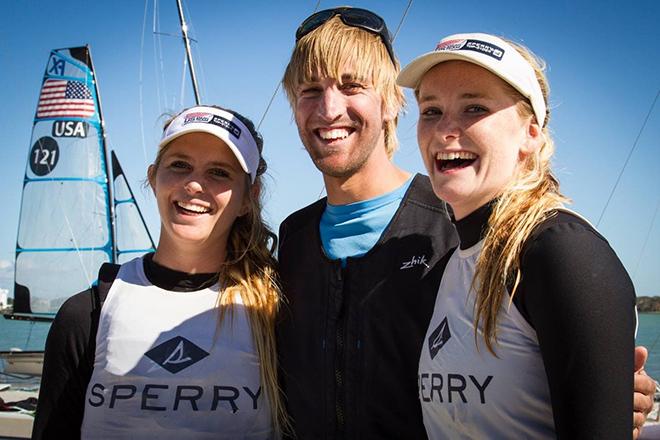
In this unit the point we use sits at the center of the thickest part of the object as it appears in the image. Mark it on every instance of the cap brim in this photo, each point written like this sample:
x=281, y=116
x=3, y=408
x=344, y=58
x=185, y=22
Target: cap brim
x=217, y=133
x=412, y=74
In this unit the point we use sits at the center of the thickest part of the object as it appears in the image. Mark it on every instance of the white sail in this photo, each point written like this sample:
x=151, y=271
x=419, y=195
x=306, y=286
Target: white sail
x=69, y=216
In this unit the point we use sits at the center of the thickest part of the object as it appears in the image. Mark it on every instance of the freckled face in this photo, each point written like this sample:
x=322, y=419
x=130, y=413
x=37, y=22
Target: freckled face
x=470, y=133
x=200, y=189
x=340, y=123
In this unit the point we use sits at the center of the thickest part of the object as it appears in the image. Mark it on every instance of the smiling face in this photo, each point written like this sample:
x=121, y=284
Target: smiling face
x=200, y=189
x=471, y=134
x=340, y=123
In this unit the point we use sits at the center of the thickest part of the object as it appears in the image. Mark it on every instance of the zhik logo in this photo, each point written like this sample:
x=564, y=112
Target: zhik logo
x=439, y=337
x=414, y=261
x=176, y=354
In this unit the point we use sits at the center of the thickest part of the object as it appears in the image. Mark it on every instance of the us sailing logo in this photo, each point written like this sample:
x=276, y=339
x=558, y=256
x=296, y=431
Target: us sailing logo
x=176, y=354
x=439, y=337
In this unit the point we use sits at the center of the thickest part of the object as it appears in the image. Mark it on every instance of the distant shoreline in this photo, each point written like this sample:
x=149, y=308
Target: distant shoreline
x=648, y=304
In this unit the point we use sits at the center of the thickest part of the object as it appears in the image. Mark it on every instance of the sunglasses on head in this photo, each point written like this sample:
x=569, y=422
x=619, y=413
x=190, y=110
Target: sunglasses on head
x=354, y=17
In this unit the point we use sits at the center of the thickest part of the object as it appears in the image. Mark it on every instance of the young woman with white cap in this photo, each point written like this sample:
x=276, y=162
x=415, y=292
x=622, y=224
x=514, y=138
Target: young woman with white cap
x=183, y=344
x=535, y=316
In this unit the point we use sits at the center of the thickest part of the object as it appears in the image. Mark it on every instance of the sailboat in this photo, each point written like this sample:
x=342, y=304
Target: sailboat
x=77, y=211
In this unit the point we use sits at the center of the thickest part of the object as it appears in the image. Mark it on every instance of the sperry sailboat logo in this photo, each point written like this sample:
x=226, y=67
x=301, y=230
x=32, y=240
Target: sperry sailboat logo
x=414, y=261
x=439, y=338
x=176, y=354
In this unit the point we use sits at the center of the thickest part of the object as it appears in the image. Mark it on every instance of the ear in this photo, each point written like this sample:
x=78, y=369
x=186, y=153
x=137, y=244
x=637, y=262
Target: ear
x=255, y=190
x=151, y=177
x=534, y=139
x=389, y=113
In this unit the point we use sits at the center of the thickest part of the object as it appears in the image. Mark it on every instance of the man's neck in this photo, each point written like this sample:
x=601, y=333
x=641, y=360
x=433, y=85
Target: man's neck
x=372, y=180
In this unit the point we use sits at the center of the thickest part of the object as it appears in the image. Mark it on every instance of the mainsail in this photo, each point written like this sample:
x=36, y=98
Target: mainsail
x=72, y=218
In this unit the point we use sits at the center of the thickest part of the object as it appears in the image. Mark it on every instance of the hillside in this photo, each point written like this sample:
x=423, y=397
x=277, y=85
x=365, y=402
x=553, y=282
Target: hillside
x=648, y=304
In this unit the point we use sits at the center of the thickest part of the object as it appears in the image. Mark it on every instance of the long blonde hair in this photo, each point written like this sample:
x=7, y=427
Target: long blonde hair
x=327, y=50
x=250, y=272
x=528, y=200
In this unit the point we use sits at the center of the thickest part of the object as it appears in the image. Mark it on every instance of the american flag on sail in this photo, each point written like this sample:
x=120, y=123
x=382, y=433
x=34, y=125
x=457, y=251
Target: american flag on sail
x=65, y=98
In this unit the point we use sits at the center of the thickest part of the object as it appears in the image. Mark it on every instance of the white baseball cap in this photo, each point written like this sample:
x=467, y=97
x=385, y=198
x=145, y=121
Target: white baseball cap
x=222, y=124
x=491, y=53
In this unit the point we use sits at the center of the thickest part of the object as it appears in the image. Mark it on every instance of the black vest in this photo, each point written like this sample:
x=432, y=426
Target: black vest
x=349, y=339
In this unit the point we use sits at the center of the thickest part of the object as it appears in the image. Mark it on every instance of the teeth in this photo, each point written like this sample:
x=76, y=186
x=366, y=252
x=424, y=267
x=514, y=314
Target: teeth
x=455, y=155
x=192, y=207
x=333, y=134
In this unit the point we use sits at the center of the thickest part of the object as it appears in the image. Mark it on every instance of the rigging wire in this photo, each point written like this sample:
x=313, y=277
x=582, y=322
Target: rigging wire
x=279, y=84
x=182, y=92
x=27, y=341
x=141, y=84
x=646, y=240
x=628, y=158
x=403, y=17
x=158, y=54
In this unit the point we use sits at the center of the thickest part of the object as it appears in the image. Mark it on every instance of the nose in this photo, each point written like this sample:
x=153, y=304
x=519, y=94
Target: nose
x=448, y=128
x=193, y=185
x=332, y=104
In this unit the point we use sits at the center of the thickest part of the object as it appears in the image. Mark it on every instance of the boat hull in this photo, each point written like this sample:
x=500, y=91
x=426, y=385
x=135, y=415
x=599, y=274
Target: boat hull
x=29, y=363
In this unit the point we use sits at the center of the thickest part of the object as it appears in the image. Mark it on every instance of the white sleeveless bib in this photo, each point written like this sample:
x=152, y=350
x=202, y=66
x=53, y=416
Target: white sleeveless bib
x=470, y=394
x=164, y=370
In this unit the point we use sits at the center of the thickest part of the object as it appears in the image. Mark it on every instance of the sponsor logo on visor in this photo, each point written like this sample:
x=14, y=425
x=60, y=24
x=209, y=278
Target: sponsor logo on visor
x=210, y=118
x=197, y=117
x=474, y=45
x=227, y=125
x=450, y=45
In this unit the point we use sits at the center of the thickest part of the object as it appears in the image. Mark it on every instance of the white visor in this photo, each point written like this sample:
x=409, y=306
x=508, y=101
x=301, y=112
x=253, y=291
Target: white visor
x=491, y=53
x=224, y=126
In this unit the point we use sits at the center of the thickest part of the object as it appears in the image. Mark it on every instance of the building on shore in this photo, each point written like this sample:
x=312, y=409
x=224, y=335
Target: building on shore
x=4, y=294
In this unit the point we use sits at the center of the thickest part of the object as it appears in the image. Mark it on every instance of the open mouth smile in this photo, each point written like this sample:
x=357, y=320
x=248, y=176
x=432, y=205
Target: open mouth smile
x=191, y=208
x=334, y=134
x=447, y=161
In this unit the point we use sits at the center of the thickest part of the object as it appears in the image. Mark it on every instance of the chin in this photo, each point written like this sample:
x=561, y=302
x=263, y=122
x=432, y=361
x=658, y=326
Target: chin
x=188, y=234
x=452, y=194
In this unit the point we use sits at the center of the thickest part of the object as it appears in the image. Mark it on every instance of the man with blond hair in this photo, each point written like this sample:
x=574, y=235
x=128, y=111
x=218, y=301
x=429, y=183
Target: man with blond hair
x=360, y=269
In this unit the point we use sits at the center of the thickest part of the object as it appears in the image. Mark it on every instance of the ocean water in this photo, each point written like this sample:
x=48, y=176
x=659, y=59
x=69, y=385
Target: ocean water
x=648, y=335
x=22, y=334
x=32, y=336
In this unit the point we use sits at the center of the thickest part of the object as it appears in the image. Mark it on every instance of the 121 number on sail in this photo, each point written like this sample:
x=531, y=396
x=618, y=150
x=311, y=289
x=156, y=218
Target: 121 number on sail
x=44, y=156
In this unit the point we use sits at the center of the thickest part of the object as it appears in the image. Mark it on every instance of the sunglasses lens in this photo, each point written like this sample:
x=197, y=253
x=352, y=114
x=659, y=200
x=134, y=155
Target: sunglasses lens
x=363, y=19
x=314, y=21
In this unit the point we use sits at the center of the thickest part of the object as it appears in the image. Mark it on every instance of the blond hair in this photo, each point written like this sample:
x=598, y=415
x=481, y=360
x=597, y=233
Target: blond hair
x=528, y=200
x=329, y=49
x=249, y=272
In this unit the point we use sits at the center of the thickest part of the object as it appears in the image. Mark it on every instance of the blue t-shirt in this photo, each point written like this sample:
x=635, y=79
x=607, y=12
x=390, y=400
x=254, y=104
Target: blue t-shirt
x=352, y=230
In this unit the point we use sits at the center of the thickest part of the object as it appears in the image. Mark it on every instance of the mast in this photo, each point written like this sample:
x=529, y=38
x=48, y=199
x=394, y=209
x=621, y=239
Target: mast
x=186, y=43
x=110, y=193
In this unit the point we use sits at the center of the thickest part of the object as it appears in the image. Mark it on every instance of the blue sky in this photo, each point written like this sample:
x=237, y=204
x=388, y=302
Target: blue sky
x=603, y=57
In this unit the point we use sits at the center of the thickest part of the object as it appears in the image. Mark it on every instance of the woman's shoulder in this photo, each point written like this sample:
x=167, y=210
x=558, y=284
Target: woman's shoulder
x=566, y=250
x=76, y=311
x=564, y=232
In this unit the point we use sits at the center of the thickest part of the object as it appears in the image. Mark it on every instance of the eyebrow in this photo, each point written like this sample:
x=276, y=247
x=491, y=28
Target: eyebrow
x=463, y=96
x=213, y=163
x=351, y=77
x=344, y=78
